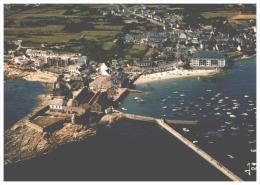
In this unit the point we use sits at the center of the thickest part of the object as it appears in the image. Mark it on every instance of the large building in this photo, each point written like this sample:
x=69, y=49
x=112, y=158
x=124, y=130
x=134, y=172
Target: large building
x=208, y=59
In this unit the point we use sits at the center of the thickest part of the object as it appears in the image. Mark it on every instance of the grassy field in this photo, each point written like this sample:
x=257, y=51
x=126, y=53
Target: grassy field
x=70, y=27
x=137, y=50
x=213, y=14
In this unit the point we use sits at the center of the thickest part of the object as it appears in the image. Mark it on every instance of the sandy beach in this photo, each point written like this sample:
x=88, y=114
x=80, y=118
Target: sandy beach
x=173, y=74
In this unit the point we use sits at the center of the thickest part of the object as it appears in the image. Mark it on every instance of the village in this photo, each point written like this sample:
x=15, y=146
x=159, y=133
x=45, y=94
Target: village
x=88, y=68
x=85, y=89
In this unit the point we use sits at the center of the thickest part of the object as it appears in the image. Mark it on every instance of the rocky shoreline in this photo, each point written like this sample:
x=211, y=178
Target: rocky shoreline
x=22, y=142
x=12, y=72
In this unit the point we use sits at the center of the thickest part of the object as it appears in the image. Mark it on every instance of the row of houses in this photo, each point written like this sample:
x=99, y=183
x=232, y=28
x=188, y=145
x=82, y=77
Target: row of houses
x=153, y=38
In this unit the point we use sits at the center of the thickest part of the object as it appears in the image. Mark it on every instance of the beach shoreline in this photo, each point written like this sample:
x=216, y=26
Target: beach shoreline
x=177, y=73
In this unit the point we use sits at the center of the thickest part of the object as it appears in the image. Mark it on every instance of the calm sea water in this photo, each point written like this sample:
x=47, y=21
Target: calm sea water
x=19, y=99
x=224, y=105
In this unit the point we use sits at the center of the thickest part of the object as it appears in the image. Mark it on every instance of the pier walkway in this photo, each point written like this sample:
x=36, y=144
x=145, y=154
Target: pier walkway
x=199, y=151
x=165, y=124
x=154, y=120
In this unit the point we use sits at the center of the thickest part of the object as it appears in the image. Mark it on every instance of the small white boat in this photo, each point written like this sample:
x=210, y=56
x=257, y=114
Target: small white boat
x=164, y=107
x=232, y=116
x=140, y=100
x=226, y=98
x=137, y=98
x=123, y=108
x=185, y=129
x=208, y=90
x=228, y=113
x=234, y=128
x=163, y=100
x=244, y=114
x=251, y=142
x=182, y=95
x=230, y=156
x=195, y=141
x=221, y=130
x=220, y=101
x=246, y=96
x=253, y=150
x=228, y=123
x=217, y=114
x=174, y=110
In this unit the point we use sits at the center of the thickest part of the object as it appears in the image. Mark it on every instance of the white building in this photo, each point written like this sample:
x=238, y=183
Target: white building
x=74, y=69
x=21, y=60
x=58, y=104
x=208, y=59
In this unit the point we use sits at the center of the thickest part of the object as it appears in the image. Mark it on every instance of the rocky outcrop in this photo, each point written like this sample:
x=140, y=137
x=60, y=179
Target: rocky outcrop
x=23, y=142
x=12, y=72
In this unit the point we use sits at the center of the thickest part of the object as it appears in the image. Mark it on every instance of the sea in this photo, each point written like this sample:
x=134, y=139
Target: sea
x=20, y=97
x=224, y=105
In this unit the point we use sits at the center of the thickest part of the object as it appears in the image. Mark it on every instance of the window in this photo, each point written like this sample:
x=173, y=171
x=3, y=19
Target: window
x=202, y=62
x=214, y=62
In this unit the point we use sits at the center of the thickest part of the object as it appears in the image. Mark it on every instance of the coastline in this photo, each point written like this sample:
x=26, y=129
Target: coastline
x=18, y=137
x=11, y=72
x=174, y=74
x=22, y=142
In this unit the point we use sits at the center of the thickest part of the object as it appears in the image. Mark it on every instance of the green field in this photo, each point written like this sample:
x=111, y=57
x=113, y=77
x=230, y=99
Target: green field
x=75, y=28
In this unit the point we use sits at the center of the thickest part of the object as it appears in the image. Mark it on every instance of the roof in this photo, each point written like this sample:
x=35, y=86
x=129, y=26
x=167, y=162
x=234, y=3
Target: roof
x=57, y=101
x=44, y=121
x=208, y=54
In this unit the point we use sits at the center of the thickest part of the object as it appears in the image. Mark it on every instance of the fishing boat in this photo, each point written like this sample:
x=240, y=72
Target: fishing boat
x=230, y=156
x=234, y=128
x=227, y=122
x=185, y=129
